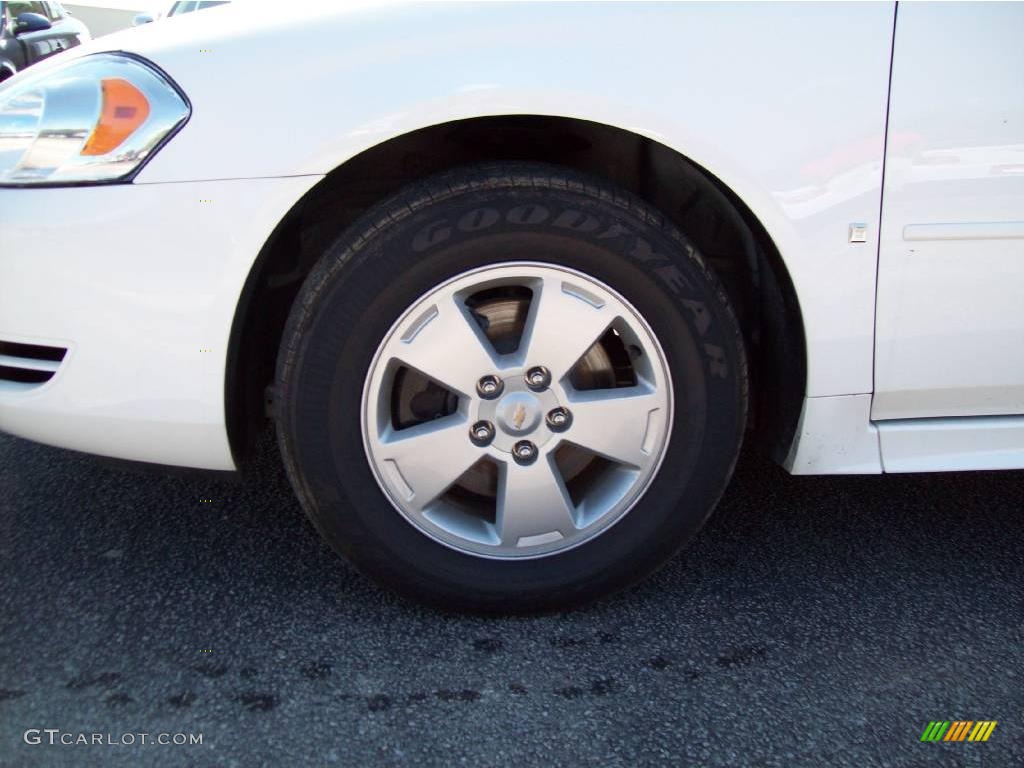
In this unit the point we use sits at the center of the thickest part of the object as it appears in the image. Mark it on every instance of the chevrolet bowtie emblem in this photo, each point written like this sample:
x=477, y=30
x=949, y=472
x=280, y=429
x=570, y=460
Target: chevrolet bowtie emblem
x=519, y=416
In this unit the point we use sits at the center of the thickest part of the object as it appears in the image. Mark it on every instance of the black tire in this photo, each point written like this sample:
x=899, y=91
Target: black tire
x=377, y=268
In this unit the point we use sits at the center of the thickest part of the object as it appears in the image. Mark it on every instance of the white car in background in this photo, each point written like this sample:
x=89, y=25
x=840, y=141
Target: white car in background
x=514, y=282
x=177, y=9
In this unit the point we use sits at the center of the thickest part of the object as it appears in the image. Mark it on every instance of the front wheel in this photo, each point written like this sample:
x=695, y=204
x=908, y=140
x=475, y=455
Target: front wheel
x=510, y=388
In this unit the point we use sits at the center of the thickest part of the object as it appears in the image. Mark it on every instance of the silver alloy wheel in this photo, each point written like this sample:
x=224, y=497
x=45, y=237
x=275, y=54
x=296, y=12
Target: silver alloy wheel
x=510, y=451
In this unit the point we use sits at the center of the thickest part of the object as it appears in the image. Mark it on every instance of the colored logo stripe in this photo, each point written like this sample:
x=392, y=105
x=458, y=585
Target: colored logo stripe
x=982, y=731
x=958, y=730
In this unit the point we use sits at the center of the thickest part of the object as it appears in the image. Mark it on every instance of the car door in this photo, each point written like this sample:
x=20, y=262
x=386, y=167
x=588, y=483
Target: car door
x=65, y=30
x=36, y=45
x=950, y=311
x=12, y=53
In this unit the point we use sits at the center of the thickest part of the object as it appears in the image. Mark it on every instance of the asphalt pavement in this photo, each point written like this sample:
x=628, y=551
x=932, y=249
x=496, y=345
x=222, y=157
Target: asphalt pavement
x=816, y=621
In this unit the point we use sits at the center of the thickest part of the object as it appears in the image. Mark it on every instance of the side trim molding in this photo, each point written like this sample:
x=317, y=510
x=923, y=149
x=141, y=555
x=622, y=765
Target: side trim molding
x=977, y=230
x=953, y=444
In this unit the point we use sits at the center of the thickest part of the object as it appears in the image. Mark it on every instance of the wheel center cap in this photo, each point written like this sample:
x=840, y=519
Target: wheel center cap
x=518, y=413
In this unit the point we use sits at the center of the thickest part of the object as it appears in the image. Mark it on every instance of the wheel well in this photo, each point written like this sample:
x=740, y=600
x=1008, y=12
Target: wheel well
x=731, y=238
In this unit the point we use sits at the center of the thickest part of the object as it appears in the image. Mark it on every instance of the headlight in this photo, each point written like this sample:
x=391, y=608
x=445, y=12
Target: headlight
x=97, y=118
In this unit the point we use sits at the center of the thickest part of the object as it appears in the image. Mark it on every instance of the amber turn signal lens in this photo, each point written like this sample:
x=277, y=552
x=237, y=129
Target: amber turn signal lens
x=125, y=108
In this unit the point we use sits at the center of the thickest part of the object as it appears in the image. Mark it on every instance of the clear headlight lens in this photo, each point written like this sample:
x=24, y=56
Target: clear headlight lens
x=97, y=118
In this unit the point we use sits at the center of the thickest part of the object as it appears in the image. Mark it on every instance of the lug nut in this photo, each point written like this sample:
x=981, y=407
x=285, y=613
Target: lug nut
x=489, y=387
x=538, y=378
x=524, y=452
x=558, y=419
x=482, y=433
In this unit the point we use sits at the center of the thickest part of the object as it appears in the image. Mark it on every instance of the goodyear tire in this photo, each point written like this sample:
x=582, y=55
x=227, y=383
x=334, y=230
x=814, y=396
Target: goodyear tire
x=510, y=388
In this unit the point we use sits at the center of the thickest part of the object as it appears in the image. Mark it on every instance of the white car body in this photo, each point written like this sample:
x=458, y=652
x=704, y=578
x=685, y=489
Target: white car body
x=913, y=337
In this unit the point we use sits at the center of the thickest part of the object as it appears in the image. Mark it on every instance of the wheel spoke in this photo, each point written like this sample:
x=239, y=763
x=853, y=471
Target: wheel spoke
x=442, y=343
x=532, y=501
x=564, y=323
x=428, y=458
x=617, y=423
